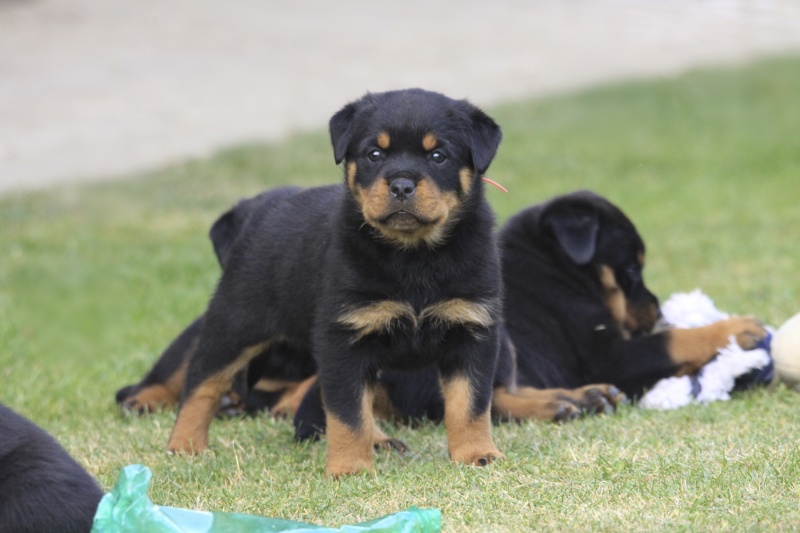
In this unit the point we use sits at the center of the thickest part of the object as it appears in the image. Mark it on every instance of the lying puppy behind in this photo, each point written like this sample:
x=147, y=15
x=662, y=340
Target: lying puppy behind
x=42, y=488
x=398, y=268
x=577, y=310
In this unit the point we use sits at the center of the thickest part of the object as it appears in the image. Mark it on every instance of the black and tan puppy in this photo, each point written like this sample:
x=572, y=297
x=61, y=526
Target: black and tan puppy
x=396, y=269
x=577, y=310
x=42, y=488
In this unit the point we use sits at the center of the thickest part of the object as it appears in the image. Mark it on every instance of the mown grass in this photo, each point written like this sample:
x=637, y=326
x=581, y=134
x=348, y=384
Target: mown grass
x=96, y=280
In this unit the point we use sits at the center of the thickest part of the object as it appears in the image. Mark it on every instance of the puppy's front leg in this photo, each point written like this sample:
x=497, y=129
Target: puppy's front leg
x=467, y=391
x=350, y=424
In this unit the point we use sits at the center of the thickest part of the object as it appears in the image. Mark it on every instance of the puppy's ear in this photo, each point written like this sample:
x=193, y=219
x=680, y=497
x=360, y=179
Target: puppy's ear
x=485, y=137
x=224, y=232
x=576, y=232
x=341, y=128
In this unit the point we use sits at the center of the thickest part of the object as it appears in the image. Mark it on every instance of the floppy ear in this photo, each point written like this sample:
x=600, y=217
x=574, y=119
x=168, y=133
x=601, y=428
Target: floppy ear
x=576, y=233
x=341, y=129
x=224, y=232
x=485, y=136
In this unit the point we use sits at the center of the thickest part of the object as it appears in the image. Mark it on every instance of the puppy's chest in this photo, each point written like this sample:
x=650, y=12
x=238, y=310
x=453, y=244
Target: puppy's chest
x=404, y=324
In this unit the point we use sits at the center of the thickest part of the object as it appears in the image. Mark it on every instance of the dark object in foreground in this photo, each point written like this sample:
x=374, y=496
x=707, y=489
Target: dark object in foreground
x=42, y=488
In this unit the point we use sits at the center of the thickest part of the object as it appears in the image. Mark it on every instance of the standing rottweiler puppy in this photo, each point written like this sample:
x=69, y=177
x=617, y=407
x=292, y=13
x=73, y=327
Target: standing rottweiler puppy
x=42, y=488
x=577, y=310
x=398, y=268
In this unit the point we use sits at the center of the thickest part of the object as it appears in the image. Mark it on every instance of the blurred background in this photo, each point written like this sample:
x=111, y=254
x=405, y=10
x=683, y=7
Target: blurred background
x=92, y=89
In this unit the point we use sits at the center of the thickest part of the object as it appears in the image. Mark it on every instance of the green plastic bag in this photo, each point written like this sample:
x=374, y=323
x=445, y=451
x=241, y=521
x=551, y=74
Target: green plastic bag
x=127, y=509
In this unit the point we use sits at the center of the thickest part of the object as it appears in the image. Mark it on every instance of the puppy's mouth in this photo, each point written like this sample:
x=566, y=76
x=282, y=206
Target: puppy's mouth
x=405, y=221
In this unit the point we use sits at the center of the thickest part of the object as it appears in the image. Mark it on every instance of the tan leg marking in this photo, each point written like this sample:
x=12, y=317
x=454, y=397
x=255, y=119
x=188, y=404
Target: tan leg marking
x=190, y=433
x=161, y=396
x=694, y=347
x=554, y=404
x=382, y=406
x=290, y=400
x=350, y=451
x=469, y=438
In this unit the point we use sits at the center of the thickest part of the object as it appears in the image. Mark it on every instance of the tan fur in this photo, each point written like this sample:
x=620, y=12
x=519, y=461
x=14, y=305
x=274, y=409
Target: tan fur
x=543, y=405
x=546, y=404
x=289, y=402
x=385, y=315
x=616, y=302
x=469, y=437
x=383, y=140
x=377, y=317
x=465, y=177
x=375, y=201
x=351, y=451
x=694, y=347
x=161, y=396
x=429, y=142
x=382, y=406
x=459, y=311
x=355, y=190
x=439, y=209
x=273, y=385
x=190, y=433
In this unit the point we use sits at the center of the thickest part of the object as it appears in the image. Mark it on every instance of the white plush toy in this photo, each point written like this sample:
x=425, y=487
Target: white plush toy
x=718, y=378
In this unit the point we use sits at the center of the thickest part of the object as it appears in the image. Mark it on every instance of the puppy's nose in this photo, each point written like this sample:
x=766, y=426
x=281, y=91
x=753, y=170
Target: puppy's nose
x=402, y=188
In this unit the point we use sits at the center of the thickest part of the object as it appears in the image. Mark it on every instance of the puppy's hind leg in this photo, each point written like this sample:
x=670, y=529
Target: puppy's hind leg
x=210, y=375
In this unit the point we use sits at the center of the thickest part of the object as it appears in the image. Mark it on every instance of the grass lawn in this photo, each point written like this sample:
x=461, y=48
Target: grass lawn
x=96, y=280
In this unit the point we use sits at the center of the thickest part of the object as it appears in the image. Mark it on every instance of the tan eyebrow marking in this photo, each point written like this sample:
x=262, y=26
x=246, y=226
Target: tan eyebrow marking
x=429, y=142
x=384, y=140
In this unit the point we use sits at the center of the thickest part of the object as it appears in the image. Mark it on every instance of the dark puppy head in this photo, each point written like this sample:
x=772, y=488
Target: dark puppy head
x=590, y=230
x=413, y=160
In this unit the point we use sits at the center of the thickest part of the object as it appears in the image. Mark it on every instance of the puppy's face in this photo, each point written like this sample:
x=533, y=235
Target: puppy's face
x=413, y=160
x=589, y=230
x=620, y=262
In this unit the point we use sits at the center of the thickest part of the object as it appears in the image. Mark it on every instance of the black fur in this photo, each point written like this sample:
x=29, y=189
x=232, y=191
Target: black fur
x=42, y=488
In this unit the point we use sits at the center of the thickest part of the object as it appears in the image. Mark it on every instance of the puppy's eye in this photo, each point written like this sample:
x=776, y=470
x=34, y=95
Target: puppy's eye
x=438, y=157
x=375, y=155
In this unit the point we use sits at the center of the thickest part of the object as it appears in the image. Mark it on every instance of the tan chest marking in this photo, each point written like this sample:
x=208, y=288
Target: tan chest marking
x=384, y=316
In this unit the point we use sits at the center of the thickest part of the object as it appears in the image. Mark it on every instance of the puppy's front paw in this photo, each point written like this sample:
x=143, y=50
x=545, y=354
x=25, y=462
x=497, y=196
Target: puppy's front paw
x=149, y=400
x=391, y=444
x=600, y=398
x=186, y=445
x=747, y=330
x=475, y=457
